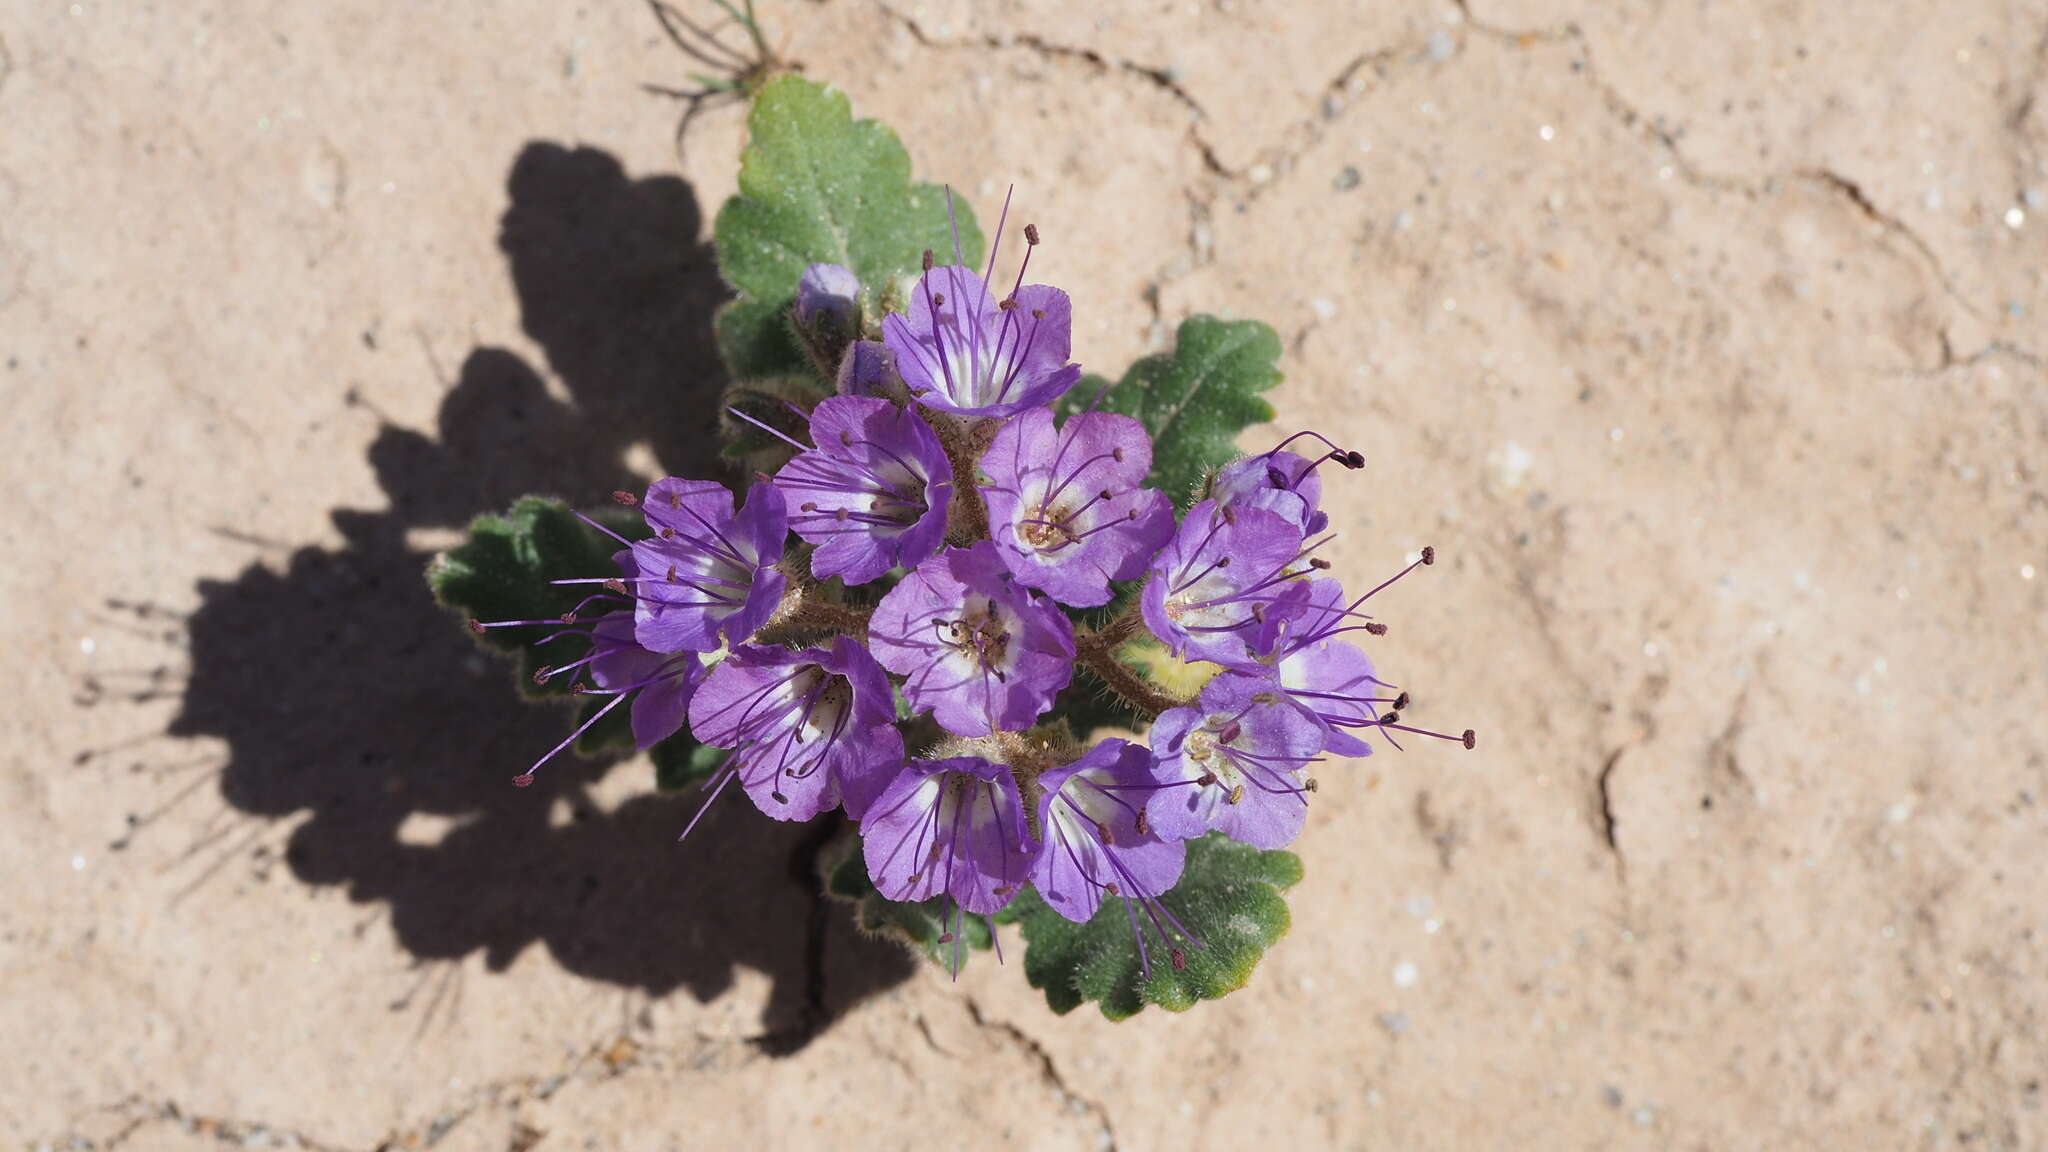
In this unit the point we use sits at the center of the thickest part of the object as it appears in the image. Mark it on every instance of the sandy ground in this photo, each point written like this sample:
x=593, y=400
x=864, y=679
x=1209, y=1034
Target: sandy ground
x=1701, y=340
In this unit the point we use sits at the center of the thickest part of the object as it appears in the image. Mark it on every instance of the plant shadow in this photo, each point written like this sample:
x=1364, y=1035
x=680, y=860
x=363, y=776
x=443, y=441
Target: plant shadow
x=344, y=692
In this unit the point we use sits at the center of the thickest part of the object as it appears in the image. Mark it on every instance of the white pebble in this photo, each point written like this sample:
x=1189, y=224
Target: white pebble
x=86, y=645
x=1405, y=974
x=2014, y=217
x=1547, y=132
x=1324, y=307
x=1510, y=465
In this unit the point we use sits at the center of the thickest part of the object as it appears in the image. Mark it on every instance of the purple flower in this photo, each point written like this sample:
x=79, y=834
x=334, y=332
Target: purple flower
x=661, y=683
x=873, y=493
x=658, y=683
x=1091, y=815
x=1283, y=481
x=808, y=729
x=828, y=294
x=1277, y=481
x=949, y=828
x=706, y=573
x=1226, y=571
x=1233, y=764
x=1326, y=677
x=1066, y=507
x=978, y=651
x=961, y=351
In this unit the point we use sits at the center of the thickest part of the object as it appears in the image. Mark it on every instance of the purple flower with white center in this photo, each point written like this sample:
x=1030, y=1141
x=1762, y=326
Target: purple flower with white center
x=962, y=351
x=827, y=293
x=1097, y=841
x=707, y=575
x=976, y=650
x=1066, y=505
x=809, y=729
x=1305, y=659
x=950, y=828
x=1234, y=763
x=1226, y=571
x=873, y=493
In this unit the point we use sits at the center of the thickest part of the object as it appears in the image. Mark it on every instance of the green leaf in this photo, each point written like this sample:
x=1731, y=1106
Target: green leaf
x=816, y=186
x=1229, y=898
x=920, y=925
x=502, y=571
x=680, y=761
x=756, y=339
x=1194, y=400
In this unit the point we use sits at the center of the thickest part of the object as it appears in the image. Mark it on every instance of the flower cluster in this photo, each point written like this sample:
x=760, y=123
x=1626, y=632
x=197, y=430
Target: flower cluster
x=959, y=552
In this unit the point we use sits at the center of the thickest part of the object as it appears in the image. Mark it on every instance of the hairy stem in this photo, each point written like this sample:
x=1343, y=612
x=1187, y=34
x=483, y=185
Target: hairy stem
x=964, y=441
x=1096, y=652
x=802, y=614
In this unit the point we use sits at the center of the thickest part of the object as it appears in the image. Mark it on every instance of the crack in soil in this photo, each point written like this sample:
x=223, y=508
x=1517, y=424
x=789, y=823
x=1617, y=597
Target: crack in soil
x=1048, y=1069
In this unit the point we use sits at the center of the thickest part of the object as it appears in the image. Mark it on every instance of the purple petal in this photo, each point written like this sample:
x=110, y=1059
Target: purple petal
x=873, y=493
x=977, y=651
x=1067, y=507
x=1223, y=571
x=1235, y=764
x=949, y=827
x=958, y=351
x=1089, y=814
x=795, y=723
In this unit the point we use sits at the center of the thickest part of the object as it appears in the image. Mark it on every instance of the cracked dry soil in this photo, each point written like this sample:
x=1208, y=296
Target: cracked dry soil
x=1700, y=341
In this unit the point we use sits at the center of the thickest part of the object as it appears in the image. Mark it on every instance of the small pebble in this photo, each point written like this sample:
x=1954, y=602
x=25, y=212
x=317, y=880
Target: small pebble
x=1406, y=974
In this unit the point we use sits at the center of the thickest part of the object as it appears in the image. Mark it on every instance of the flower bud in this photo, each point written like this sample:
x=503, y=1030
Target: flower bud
x=827, y=313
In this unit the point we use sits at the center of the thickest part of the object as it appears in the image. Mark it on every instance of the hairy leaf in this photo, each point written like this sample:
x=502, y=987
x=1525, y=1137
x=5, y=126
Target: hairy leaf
x=1195, y=399
x=815, y=186
x=1229, y=898
x=502, y=571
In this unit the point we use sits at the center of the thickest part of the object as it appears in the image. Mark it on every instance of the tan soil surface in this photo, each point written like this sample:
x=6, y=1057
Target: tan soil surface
x=1701, y=340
